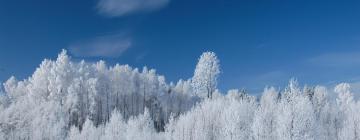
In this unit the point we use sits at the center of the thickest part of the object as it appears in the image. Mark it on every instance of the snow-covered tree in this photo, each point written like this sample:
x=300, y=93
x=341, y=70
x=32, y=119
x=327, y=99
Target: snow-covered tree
x=264, y=125
x=77, y=100
x=49, y=122
x=115, y=128
x=206, y=74
x=60, y=76
x=350, y=122
x=295, y=115
x=140, y=127
x=15, y=89
x=325, y=114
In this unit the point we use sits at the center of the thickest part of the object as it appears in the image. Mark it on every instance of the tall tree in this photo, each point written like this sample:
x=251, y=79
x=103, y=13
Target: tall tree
x=264, y=125
x=206, y=74
x=350, y=125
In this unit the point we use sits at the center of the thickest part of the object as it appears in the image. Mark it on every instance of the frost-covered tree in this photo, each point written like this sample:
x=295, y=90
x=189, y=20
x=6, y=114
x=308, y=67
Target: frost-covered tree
x=90, y=132
x=179, y=99
x=304, y=120
x=325, y=114
x=264, y=125
x=220, y=118
x=348, y=113
x=66, y=99
x=4, y=100
x=236, y=120
x=74, y=133
x=49, y=122
x=295, y=115
x=115, y=128
x=206, y=74
x=140, y=127
x=39, y=86
x=60, y=76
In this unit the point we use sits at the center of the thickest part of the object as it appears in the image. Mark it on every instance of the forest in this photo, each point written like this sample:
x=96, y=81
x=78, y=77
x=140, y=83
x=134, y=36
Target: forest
x=79, y=100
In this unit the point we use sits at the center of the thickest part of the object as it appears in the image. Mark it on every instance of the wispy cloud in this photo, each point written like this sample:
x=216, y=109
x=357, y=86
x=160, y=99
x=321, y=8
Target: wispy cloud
x=257, y=82
x=102, y=46
x=345, y=62
x=115, y=8
x=272, y=78
x=341, y=59
x=140, y=57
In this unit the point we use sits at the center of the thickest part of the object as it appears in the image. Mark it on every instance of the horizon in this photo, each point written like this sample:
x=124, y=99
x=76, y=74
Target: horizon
x=354, y=87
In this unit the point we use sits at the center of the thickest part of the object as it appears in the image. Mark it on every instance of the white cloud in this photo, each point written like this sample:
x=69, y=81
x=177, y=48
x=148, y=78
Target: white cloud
x=257, y=82
x=113, y=8
x=140, y=57
x=103, y=46
x=344, y=59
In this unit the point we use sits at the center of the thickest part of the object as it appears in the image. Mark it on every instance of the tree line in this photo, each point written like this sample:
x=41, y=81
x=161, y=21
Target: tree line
x=64, y=99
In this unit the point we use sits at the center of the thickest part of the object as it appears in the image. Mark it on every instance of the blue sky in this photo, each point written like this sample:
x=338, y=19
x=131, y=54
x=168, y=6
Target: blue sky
x=259, y=42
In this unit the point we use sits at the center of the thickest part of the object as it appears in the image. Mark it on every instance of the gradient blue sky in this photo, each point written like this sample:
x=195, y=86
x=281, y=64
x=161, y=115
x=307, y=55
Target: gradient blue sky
x=259, y=42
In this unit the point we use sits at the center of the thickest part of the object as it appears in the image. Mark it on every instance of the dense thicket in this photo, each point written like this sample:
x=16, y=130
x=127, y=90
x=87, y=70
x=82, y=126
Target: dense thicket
x=64, y=99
